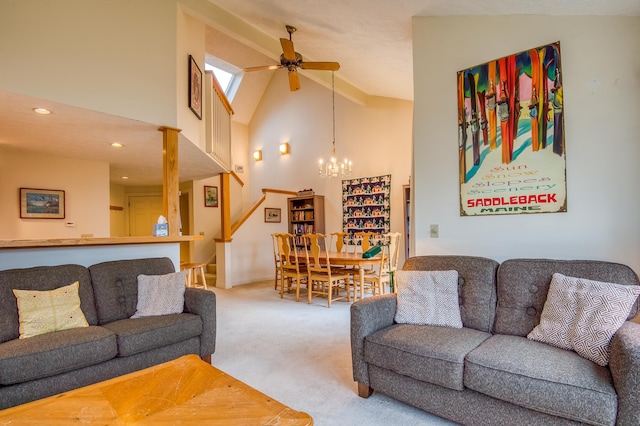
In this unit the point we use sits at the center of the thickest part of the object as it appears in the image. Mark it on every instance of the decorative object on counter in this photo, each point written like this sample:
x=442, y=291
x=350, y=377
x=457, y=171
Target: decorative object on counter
x=211, y=196
x=42, y=203
x=306, y=192
x=332, y=168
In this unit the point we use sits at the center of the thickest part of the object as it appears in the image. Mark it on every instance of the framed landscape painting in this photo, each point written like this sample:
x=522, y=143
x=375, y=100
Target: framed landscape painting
x=42, y=203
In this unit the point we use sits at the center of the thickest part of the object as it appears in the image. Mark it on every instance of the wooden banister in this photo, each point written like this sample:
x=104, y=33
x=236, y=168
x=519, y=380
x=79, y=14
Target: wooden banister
x=248, y=214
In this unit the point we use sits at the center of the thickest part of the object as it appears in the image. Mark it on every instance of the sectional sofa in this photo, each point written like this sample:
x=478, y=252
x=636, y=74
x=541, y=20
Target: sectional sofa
x=488, y=372
x=112, y=344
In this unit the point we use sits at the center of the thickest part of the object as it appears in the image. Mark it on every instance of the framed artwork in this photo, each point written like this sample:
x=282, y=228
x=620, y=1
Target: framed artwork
x=211, y=196
x=272, y=215
x=366, y=205
x=41, y=203
x=195, y=88
x=511, y=150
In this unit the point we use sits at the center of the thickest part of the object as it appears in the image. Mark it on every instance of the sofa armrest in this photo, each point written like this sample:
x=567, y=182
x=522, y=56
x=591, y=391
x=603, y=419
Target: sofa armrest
x=624, y=363
x=367, y=317
x=203, y=303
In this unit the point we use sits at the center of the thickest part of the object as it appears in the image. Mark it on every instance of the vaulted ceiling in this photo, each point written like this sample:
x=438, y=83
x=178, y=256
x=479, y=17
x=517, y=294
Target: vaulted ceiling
x=371, y=39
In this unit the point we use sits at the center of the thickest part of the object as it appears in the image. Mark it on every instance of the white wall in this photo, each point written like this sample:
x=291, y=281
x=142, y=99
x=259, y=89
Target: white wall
x=113, y=56
x=376, y=137
x=600, y=64
x=86, y=186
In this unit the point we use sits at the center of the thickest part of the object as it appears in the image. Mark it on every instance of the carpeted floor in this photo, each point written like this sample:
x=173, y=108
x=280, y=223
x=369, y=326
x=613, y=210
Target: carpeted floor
x=300, y=355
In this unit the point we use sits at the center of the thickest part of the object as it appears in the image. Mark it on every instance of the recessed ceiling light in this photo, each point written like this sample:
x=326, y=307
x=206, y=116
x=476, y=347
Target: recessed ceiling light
x=117, y=145
x=42, y=111
x=125, y=177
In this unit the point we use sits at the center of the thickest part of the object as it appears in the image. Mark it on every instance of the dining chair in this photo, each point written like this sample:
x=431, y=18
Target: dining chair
x=392, y=241
x=277, y=250
x=374, y=278
x=341, y=241
x=322, y=279
x=291, y=268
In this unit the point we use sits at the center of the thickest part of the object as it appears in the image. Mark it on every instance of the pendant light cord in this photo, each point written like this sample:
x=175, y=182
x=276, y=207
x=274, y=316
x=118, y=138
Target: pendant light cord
x=333, y=102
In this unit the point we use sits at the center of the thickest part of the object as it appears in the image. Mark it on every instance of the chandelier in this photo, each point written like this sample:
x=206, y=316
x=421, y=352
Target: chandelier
x=332, y=168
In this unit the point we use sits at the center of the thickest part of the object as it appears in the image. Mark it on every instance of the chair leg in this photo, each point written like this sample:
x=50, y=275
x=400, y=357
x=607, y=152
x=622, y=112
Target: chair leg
x=204, y=279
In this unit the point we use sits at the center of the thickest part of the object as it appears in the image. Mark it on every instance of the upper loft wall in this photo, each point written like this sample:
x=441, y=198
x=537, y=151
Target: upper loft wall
x=112, y=56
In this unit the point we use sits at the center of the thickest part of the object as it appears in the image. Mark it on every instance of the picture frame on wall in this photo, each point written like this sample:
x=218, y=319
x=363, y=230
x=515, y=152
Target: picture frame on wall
x=42, y=203
x=195, y=88
x=211, y=196
x=272, y=215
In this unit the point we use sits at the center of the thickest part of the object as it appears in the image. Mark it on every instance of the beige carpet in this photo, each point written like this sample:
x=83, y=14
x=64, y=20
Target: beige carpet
x=300, y=355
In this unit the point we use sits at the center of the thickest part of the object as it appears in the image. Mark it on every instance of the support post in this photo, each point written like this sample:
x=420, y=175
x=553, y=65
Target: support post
x=170, y=178
x=225, y=204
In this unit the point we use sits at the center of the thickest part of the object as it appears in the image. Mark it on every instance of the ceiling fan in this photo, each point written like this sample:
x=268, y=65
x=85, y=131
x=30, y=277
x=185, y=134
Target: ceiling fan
x=292, y=60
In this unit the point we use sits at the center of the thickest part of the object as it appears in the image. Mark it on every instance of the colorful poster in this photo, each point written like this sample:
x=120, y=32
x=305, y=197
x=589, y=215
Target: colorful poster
x=511, y=149
x=365, y=205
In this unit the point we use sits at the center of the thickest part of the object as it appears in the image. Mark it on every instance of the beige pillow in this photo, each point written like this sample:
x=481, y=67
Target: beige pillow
x=428, y=298
x=160, y=294
x=42, y=312
x=583, y=315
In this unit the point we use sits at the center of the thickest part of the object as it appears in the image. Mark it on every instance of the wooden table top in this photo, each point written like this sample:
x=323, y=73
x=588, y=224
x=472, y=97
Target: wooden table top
x=185, y=391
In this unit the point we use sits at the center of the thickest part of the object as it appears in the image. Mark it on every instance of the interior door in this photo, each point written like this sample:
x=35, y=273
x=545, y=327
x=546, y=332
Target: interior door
x=143, y=214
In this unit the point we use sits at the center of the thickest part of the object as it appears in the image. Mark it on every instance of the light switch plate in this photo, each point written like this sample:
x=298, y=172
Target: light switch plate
x=433, y=229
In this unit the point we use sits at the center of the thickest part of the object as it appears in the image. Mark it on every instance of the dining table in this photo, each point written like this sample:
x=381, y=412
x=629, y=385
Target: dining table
x=348, y=259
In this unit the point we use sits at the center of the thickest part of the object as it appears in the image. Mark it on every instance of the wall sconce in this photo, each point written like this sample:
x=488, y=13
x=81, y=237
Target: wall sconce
x=284, y=148
x=257, y=155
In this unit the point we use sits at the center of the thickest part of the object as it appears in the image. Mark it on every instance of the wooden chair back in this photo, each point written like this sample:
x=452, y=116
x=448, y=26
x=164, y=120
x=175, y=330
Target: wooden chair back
x=392, y=240
x=366, y=239
x=341, y=241
x=288, y=253
x=316, y=253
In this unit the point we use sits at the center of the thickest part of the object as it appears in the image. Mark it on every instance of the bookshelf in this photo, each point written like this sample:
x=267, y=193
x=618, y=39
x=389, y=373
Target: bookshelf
x=306, y=216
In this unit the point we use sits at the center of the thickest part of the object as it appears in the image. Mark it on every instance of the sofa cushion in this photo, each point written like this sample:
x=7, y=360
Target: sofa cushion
x=41, y=312
x=160, y=294
x=542, y=378
x=523, y=285
x=115, y=285
x=41, y=278
x=54, y=353
x=428, y=353
x=583, y=315
x=428, y=298
x=477, y=291
x=142, y=334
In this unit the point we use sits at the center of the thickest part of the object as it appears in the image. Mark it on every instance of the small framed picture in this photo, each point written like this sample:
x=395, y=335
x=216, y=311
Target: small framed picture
x=272, y=215
x=211, y=196
x=195, y=88
x=41, y=203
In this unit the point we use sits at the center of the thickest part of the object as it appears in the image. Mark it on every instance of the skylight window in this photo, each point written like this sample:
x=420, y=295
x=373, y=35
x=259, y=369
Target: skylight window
x=223, y=77
x=228, y=76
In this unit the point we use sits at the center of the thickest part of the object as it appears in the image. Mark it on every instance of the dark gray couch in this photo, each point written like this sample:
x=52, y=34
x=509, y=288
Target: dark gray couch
x=488, y=372
x=112, y=345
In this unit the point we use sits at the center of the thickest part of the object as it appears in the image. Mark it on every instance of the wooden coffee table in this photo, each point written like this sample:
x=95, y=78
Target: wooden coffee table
x=186, y=391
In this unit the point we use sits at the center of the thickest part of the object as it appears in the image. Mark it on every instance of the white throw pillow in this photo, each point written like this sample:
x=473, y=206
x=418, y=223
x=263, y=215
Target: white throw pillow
x=160, y=294
x=428, y=298
x=583, y=315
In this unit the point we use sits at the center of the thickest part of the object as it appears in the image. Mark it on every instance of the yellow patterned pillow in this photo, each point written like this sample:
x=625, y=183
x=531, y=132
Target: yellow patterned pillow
x=46, y=311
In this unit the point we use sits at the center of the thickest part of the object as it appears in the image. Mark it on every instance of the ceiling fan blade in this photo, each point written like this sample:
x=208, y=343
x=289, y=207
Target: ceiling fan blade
x=325, y=66
x=294, y=81
x=263, y=68
x=287, y=49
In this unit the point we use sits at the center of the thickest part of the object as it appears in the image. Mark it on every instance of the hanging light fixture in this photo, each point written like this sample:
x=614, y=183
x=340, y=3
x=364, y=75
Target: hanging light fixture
x=332, y=168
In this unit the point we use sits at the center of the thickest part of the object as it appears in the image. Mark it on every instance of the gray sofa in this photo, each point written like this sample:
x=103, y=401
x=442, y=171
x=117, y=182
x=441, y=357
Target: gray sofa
x=112, y=345
x=488, y=372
